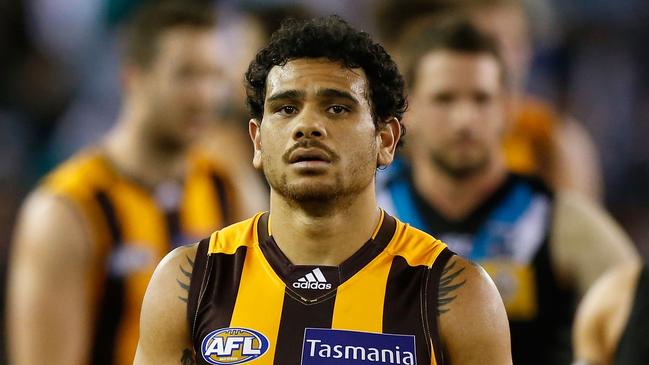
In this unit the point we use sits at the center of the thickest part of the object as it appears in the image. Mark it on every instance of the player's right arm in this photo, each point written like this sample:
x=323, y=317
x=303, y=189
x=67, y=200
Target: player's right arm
x=48, y=291
x=164, y=331
x=603, y=314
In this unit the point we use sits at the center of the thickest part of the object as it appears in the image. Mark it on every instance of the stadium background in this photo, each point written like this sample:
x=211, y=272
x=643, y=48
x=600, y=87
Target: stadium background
x=59, y=84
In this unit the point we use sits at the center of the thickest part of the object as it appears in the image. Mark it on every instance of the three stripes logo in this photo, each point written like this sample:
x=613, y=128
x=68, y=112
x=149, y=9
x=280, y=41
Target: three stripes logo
x=313, y=280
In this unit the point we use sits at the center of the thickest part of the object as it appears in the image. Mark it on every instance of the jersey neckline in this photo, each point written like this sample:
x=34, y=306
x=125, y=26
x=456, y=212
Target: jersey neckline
x=289, y=273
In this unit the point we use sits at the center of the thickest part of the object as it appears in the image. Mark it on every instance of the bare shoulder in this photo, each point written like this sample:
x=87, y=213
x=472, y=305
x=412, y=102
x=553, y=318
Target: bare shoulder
x=603, y=313
x=582, y=225
x=170, y=281
x=164, y=330
x=576, y=205
x=50, y=227
x=577, y=214
x=464, y=287
x=47, y=289
x=472, y=319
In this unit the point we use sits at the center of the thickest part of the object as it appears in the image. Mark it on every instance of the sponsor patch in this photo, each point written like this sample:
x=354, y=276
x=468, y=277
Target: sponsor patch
x=341, y=347
x=233, y=346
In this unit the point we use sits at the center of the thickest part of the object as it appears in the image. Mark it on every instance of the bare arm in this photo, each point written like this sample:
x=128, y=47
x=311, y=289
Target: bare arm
x=472, y=319
x=603, y=314
x=47, y=284
x=586, y=241
x=164, y=331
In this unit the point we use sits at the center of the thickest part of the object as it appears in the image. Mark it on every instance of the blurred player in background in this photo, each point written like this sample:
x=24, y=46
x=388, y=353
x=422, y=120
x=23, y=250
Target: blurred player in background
x=241, y=32
x=612, y=324
x=537, y=141
x=543, y=249
x=89, y=237
x=325, y=274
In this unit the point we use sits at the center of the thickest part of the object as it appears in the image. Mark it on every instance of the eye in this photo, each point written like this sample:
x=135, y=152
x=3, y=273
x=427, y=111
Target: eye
x=482, y=98
x=443, y=98
x=337, y=109
x=287, y=110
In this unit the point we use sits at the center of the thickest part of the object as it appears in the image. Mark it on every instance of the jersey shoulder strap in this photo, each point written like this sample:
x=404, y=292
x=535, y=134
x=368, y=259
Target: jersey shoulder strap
x=230, y=238
x=433, y=297
x=79, y=176
x=417, y=247
x=222, y=243
x=197, y=282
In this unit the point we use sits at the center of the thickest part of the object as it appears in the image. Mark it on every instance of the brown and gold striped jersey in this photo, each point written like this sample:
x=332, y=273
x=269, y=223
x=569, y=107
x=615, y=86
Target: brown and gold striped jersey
x=249, y=303
x=131, y=228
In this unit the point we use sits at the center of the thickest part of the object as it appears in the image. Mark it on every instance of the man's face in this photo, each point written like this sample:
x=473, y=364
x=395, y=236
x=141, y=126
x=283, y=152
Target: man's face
x=457, y=111
x=179, y=89
x=317, y=141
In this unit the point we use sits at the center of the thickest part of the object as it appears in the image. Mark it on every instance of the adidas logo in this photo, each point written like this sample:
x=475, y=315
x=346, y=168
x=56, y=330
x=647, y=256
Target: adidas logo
x=312, y=280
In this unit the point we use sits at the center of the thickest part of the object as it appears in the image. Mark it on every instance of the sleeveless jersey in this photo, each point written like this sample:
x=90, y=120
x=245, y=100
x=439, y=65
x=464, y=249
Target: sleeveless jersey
x=131, y=228
x=247, y=301
x=633, y=348
x=509, y=236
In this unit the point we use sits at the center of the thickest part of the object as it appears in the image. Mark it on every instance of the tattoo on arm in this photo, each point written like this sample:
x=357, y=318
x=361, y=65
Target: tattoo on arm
x=448, y=283
x=188, y=357
x=185, y=278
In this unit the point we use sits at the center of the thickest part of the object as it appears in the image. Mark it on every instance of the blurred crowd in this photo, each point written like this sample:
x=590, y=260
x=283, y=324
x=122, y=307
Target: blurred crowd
x=60, y=86
x=60, y=89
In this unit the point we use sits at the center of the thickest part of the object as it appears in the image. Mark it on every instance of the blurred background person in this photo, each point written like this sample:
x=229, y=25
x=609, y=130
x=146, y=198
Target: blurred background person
x=457, y=186
x=537, y=142
x=89, y=237
x=243, y=29
x=612, y=323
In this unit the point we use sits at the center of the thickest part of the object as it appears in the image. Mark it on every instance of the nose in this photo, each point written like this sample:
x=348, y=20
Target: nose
x=308, y=125
x=465, y=114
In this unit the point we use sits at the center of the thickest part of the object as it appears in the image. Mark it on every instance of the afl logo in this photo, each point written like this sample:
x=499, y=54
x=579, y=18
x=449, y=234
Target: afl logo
x=233, y=346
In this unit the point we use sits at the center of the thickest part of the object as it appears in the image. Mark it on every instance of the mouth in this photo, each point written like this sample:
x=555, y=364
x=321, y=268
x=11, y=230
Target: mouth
x=311, y=155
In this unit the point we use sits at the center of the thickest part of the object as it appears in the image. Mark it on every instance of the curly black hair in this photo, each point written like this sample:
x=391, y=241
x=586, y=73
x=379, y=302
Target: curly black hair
x=333, y=38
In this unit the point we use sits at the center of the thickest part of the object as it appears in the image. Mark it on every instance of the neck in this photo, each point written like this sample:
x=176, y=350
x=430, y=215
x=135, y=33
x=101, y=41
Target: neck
x=457, y=198
x=133, y=153
x=327, y=237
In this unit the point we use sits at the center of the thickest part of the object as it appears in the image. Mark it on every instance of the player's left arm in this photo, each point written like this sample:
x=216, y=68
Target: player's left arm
x=471, y=316
x=586, y=241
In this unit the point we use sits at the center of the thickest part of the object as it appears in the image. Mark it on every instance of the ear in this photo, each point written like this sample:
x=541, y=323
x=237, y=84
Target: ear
x=254, y=129
x=388, y=138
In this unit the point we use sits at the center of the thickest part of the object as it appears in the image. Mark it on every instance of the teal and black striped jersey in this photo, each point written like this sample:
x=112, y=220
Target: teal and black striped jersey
x=508, y=234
